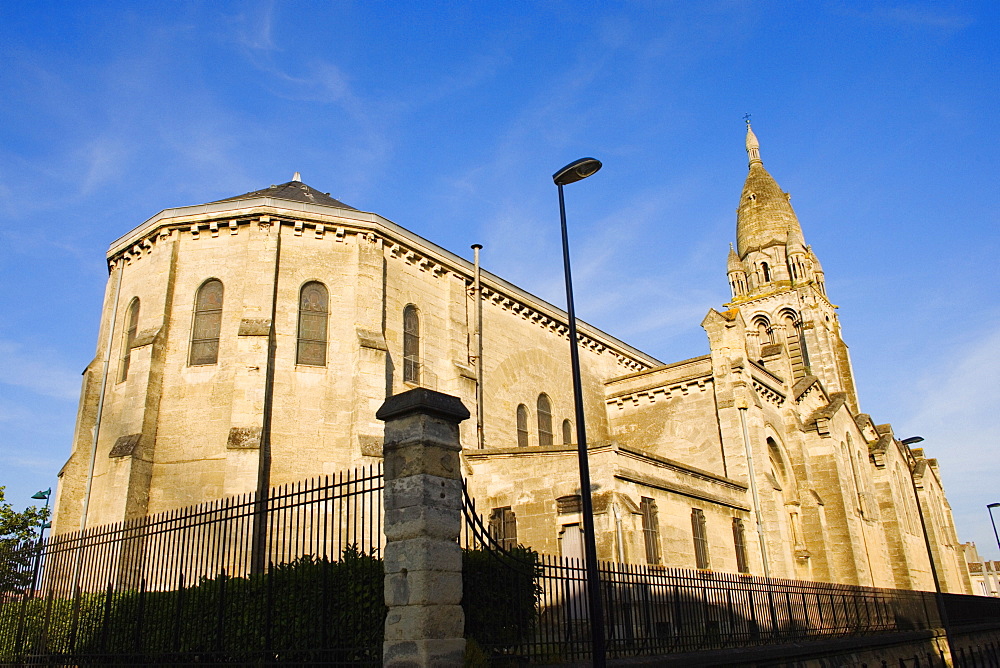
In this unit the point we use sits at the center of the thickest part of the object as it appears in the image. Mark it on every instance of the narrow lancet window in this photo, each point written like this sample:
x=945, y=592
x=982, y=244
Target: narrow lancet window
x=700, y=531
x=740, y=541
x=544, y=420
x=207, y=323
x=411, y=345
x=650, y=529
x=567, y=429
x=503, y=527
x=522, y=426
x=314, y=311
x=131, y=326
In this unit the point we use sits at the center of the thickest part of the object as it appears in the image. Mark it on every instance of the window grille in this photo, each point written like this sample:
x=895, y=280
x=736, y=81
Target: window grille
x=699, y=529
x=544, y=420
x=567, y=432
x=650, y=529
x=207, y=323
x=411, y=345
x=522, y=426
x=739, y=540
x=503, y=527
x=132, y=325
x=313, y=315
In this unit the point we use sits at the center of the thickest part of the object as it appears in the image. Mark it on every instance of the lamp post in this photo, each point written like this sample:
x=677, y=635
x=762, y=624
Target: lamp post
x=45, y=524
x=571, y=173
x=990, y=507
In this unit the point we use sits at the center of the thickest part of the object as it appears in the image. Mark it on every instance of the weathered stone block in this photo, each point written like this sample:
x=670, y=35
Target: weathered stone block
x=423, y=588
x=419, y=455
x=424, y=490
x=417, y=521
x=422, y=554
x=411, y=654
x=424, y=622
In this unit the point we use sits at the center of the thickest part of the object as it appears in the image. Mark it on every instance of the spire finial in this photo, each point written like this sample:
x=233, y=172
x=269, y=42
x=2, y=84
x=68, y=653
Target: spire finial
x=296, y=177
x=753, y=146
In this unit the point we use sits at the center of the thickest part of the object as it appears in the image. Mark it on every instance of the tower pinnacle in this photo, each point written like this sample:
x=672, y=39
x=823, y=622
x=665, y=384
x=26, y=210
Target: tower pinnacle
x=753, y=146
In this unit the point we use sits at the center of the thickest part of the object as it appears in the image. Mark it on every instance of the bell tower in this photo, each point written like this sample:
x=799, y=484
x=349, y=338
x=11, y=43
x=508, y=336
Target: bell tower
x=778, y=286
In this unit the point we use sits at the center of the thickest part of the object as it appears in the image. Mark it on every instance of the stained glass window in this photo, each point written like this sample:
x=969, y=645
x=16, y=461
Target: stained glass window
x=650, y=529
x=739, y=538
x=522, y=426
x=544, y=420
x=207, y=323
x=313, y=314
x=700, y=531
x=411, y=345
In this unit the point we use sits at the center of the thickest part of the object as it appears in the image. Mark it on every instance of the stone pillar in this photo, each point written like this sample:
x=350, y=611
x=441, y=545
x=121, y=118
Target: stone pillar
x=423, y=516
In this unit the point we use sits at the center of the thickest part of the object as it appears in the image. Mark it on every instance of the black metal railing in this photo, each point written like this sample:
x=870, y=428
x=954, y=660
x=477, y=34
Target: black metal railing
x=651, y=610
x=182, y=587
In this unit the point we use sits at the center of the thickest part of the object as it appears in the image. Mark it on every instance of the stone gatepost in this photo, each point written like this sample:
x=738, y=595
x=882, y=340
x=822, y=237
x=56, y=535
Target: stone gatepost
x=423, y=516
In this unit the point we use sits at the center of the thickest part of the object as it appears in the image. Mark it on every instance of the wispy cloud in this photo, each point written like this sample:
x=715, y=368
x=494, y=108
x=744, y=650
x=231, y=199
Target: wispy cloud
x=255, y=29
x=955, y=410
x=34, y=370
x=927, y=15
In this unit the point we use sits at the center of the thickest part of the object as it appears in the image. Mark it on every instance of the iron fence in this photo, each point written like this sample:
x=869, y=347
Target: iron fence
x=651, y=610
x=295, y=576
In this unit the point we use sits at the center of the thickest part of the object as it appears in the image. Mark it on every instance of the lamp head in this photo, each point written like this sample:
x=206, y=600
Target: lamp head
x=44, y=494
x=993, y=505
x=576, y=171
x=912, y=440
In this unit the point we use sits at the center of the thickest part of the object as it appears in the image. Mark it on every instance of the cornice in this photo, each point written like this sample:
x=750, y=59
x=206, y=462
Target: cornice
x=788, y=286
x=661, y=391
x=226, y=218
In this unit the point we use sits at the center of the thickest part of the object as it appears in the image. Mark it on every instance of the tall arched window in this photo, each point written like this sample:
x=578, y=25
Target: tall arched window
x=207, y=323
x=131, y=326
x=567, y=432
x=544, y=419
x=766, y=271
x=411, y=344
x=522, y=426
x=314, y=310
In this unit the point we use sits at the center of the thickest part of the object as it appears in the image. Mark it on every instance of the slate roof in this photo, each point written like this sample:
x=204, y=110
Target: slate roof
x=295, y=191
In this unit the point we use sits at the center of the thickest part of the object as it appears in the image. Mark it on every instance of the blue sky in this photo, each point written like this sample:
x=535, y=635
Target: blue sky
x=449, y=119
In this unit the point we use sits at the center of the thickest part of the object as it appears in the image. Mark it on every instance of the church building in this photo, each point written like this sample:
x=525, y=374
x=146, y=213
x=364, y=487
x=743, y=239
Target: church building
x=249, y=342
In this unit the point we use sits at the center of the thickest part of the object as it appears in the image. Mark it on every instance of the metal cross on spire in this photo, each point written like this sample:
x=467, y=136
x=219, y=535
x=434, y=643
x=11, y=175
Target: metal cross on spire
x=746, y=117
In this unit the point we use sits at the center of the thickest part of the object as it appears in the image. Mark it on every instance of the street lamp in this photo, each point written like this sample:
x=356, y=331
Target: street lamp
x=41, y=534
x=990, y=507
x=571, y=173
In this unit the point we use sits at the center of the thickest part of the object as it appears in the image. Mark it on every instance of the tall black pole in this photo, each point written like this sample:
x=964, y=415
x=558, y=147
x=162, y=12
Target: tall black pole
x=990, y=508
x=590, y=545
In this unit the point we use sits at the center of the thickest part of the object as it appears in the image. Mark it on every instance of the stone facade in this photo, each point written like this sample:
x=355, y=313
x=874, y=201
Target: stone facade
x=326, y=311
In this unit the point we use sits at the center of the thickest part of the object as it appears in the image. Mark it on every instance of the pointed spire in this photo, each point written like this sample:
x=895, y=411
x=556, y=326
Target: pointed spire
x=753, y=146
x=764, y=216
x=733, y=263
x=296, y=177
x=796, y=243
x=817, y=267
